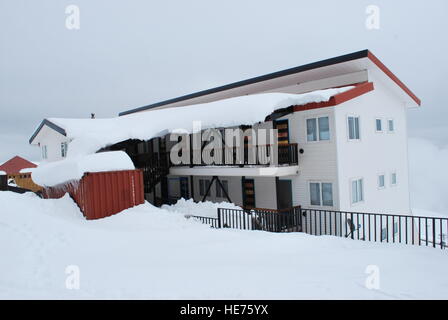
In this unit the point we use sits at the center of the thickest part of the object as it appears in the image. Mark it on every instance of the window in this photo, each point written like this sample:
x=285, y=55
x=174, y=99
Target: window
x=327, y=194
x=64, y=149
x=203, y=187
x=381, y=181
x=321, y=194
x=379, y=125
x=357, y=191
x=44, y=152
x=353, y=128
x=324, y=128
x=315, y=194
x=393, y=179
x=318, y=129
x=390, y=125
x=311, y=129
x=219, y=192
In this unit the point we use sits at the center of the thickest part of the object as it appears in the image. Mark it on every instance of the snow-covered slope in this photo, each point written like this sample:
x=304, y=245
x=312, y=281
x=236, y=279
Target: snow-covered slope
x=148, y=252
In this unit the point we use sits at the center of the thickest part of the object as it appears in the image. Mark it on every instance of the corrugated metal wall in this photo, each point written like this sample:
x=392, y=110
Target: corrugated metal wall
x=103, y=194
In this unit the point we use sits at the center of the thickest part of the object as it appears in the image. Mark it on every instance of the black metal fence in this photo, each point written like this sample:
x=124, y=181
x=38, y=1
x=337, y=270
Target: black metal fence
x=213, y=222
x=289, y=220
x=375, y=227
x=388, y=228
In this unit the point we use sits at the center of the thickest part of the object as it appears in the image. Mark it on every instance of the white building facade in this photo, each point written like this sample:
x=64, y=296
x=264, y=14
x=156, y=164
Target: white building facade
x=347, y=153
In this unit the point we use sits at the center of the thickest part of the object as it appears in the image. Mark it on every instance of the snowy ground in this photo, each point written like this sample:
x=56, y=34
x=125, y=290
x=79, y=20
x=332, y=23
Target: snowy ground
x=151, y=253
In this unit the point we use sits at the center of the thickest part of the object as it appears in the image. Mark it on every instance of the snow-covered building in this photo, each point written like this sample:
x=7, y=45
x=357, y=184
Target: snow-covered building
x=342, y=139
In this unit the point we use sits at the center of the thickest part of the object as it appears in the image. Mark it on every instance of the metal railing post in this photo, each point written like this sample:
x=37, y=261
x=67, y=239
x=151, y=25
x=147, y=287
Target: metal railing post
x=219, y=218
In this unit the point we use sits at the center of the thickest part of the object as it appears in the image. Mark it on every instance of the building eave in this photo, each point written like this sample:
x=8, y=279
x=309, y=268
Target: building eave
x=315, y=65
x=49, y=124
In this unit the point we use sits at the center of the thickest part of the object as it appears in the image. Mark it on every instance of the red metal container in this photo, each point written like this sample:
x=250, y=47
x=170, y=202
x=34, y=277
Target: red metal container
x=102, y=194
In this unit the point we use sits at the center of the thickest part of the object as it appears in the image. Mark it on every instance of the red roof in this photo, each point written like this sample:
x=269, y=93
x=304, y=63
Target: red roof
x=14, y=165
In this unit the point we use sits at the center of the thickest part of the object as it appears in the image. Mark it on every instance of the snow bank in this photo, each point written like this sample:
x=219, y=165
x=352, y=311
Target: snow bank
x=148, y=253
x=428, y=175
x=90, y=135
x=54, y=173
x=204, y=209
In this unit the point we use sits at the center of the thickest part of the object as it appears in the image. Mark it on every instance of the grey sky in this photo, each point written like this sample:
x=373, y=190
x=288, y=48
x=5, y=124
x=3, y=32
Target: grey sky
x=133, y=53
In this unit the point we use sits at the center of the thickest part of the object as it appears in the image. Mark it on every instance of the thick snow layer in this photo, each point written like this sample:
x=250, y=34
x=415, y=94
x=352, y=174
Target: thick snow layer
x=204, y=209
x=54, y=173
x=27, y=170
x=2, y=173
x=150, y=253
x=90, y=135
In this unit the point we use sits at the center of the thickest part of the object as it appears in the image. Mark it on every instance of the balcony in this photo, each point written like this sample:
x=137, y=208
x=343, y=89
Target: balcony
x=252, y=156
x=254, y=161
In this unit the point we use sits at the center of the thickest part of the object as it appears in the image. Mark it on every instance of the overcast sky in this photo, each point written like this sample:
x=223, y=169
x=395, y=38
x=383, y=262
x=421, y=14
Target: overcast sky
x=132, y=53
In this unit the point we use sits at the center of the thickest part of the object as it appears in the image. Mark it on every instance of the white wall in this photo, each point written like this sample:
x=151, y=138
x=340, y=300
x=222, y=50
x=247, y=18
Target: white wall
x=265, y=190
x=234, y=189
x=52, y=140
x=375, y=153
x=319, y=160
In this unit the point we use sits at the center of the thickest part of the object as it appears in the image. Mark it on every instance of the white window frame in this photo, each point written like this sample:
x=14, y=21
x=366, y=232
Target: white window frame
x=391, y=179
x=316, y=117
x=348, y=127
x=382, y=127
x=388, y=127
x=362, y=194
x=382, y=174
x=320, y=182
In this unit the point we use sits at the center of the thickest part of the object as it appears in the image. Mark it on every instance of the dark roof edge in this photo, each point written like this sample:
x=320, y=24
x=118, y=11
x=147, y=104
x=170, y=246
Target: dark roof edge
x=306, y=67
x=50, y=124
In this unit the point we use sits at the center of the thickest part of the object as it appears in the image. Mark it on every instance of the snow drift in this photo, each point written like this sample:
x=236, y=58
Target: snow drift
x=428, y=175
x=150, y=253
x=204, y=209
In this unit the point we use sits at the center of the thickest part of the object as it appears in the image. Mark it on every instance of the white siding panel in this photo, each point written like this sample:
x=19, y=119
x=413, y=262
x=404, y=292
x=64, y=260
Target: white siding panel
x=319, y=160
x=375, y=154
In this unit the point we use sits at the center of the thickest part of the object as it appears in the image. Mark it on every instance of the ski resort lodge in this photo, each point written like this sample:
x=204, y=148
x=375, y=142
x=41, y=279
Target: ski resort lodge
x=341, y=140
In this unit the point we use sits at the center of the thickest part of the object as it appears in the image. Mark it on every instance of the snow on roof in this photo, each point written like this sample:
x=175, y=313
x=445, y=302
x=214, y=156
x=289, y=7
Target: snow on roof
x=90, y=135
x=2, y=173
x=27, y=170
x=58, y=172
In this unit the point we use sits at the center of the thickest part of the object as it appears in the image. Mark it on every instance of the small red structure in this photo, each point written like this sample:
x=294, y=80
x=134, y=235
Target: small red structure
x=14, y=165
x=102, y=194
